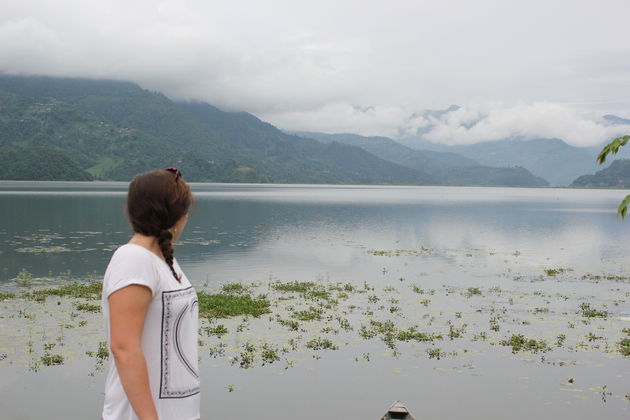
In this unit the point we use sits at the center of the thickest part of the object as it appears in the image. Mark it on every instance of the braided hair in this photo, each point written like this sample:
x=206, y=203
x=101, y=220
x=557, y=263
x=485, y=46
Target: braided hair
x=155, y=202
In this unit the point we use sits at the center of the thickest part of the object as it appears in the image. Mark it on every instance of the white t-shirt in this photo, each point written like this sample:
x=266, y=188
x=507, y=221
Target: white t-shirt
x=169, y=338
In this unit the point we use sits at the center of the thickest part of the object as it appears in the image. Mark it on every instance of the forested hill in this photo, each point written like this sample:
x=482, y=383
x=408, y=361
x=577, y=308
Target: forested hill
x=114, y=130
x=617, y=175
x=74, y=129
x=446, y=167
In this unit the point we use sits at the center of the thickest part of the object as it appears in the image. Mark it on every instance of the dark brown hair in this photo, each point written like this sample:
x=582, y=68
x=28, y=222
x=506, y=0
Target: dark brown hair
x=155, y=202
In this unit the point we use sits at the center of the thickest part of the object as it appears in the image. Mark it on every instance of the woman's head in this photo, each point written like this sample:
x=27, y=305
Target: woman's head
x=157, y=203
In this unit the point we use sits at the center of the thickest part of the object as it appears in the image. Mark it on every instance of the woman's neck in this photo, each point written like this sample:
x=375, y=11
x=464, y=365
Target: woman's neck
x=148, y=242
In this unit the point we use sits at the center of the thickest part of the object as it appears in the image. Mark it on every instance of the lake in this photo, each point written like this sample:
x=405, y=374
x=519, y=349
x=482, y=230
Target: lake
x=420, y=294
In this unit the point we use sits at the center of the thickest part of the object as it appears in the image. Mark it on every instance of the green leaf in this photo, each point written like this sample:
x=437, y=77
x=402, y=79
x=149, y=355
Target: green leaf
x=612, y=148
x=623, y=207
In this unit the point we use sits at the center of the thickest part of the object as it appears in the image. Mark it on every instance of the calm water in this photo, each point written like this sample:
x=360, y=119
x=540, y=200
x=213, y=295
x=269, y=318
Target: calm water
x=478, y=237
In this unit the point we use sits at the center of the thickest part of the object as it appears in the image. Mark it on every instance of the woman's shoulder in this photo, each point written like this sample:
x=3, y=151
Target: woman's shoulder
x=131, y=263
x=133, y=252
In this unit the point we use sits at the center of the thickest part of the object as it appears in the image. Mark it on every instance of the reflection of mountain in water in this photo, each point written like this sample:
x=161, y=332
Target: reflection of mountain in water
x=302, y=232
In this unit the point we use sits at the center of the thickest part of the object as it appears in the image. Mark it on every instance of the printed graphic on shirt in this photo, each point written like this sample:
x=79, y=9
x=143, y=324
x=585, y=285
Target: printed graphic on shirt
x=180, y=375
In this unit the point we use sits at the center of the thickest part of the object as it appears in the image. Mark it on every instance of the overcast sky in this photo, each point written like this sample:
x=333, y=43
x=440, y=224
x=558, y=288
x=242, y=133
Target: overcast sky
x=532, y=68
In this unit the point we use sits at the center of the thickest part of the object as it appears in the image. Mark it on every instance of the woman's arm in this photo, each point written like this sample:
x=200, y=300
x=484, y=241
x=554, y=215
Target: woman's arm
x=127, y=310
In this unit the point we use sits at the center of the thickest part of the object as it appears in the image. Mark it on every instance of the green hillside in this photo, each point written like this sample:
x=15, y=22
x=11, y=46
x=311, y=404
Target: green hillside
x=115, y=129
x=617, y=175
x=445, y=167
x=39, y=164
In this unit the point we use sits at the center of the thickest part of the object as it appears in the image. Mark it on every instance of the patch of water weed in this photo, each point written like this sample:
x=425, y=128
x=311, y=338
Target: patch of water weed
x=308, y=289
x=87, y=307
x=52, y=360
x=454, y=332
x=310, y=314
x=6, y=296
x=269, y=354
x=319, y=343
x=519, y=343
x=610, y=277
x=294, y=286
x=101, y=355
x=412, y=334
x=417, y=289
x=217, y=330
x=473, y=291
x=555, y=271
x=624, y=344
x=234, y=289
x=226, y=306
x=560, y=340
x=344, y=323
x=49, y=359
x=593, y=337
x=75, y=290
x=218, y=350
x=342, y=287
x=399, y=252
x=588, y=312
x=290, y=324
x=246, y=357
x=435, y=353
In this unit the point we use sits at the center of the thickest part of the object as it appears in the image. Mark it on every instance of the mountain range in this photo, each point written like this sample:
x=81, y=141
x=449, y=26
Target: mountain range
x=112, y=130
x=549, y=158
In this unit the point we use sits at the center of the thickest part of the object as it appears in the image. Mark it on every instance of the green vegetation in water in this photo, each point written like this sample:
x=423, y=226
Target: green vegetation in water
x=246, y=356
x=75, y=290
x=52, y=360
x=588, y=312
x=592, y=337
x=290, y=324
x=49, y=359
x=560, y=339
x=555, y=271
x=412, y=334
x=307, y=289
x=519, y=343
x=216, y=330
x=435, y=353
x=321, y=344
x=6, y=296
x=87, y=307
x=235, y=289
x=399, y=252
x=454, y=332
x=269, y=354
x=310, y=314
x=473, y=291
x=624, y=344
x=226, y=306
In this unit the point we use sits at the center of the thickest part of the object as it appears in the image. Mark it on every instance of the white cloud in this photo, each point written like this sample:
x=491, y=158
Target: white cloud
x=303, y=64
x=473, y=124
x=465, y=125
x=342, y=117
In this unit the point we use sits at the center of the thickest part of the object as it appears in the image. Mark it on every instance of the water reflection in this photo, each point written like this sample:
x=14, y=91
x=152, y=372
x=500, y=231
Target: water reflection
x=240, y=231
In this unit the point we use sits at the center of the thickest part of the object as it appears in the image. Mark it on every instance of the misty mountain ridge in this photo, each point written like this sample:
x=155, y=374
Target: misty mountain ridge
x=446, y=167
x=114, y=129
x=550, y=158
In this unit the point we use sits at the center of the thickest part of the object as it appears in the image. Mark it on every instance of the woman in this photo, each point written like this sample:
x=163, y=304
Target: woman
x=150, y=308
